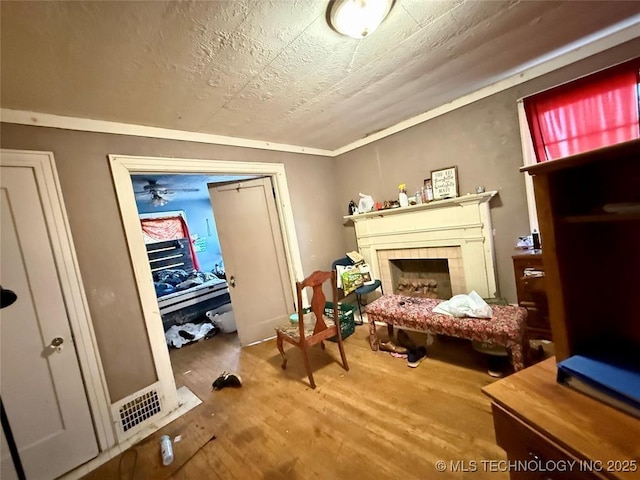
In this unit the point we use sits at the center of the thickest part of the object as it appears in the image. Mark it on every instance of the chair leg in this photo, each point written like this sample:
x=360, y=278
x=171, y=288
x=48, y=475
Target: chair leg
x=307, y=366
x=281, y=348
x=342, y=354
x=359, y=301
x=322, y=345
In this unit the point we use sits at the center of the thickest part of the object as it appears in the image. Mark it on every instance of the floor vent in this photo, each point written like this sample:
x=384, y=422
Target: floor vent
x=139, y=409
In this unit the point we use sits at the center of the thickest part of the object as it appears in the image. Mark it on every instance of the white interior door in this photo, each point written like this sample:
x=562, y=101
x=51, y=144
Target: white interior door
x=254, y=258
x=42, y=388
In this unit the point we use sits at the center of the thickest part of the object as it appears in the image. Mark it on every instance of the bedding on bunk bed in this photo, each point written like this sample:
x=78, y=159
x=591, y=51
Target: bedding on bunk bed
x=184, y=294
x=170, y=281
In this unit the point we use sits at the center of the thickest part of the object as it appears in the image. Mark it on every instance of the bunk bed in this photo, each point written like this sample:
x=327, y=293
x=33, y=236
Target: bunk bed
x=184, y=294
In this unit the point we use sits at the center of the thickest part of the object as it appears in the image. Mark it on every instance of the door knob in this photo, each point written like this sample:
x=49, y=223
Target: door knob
x=232, y=281
x=57, y=343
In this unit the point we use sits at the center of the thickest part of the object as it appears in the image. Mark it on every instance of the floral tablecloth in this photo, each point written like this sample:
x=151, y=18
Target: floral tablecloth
x=507, y=327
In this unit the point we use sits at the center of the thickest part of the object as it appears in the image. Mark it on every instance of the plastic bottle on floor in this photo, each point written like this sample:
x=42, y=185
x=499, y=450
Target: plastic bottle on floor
x=166, y=448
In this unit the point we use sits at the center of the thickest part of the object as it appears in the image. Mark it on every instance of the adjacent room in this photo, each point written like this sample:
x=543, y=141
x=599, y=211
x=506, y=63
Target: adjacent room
x=319, y=239
x=181, y=238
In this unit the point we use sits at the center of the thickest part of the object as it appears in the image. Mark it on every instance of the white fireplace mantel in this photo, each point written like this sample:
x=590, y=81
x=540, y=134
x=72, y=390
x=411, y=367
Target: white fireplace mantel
x=461, y=222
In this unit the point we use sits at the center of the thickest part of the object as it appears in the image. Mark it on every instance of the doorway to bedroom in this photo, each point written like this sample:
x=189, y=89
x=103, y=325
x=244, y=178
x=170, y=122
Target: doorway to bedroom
x=183, y=247
x=123, y=167
x=186, y=251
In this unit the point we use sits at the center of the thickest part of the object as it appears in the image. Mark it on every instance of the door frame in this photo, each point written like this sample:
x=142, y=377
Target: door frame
x=45, y=173
x=122, y=167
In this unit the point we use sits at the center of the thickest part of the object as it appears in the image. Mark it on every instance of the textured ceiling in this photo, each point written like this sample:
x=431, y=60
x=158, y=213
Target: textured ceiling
x=273, y=70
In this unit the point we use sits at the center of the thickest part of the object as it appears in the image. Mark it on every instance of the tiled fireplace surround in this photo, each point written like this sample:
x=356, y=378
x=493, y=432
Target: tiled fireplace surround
x=458, y=230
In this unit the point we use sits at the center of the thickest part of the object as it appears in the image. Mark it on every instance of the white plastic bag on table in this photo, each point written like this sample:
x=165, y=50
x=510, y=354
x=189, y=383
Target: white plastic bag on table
x=471, y=305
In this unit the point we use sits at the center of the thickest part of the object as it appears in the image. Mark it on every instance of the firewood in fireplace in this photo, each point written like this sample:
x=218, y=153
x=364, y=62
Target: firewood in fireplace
x=417, y=287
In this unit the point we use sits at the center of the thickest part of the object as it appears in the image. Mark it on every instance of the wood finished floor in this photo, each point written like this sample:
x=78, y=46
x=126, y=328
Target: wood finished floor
x=380, y=420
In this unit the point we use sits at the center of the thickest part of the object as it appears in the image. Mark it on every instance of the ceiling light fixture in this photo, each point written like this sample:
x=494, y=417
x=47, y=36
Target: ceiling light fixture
x=358, y=18
x=158, y=201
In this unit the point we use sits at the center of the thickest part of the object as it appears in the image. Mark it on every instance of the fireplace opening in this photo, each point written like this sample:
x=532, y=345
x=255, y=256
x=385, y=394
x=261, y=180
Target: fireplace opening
x=421, y=277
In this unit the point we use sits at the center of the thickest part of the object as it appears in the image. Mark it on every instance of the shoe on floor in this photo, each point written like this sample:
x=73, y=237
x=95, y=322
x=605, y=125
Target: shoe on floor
x=416, y=356
x=390, y=347
x=226, y=380
x=186, y=335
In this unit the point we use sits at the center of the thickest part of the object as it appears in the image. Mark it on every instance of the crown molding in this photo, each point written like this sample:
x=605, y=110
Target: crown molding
x=38, y=119
x=605, y=39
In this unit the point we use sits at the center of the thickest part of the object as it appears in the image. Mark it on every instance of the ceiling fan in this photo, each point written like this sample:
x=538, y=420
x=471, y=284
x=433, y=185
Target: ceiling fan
x=160, y=194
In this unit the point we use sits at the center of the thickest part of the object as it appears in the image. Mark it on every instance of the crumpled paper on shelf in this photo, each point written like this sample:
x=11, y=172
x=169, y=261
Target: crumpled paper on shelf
x=460, y=306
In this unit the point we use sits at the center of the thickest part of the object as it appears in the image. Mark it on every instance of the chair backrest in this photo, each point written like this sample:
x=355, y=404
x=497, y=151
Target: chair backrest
x=315, y=281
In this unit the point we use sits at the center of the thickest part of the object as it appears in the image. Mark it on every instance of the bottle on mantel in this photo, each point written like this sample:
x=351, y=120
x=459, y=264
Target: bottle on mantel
x=428, y=188
x=403, y=200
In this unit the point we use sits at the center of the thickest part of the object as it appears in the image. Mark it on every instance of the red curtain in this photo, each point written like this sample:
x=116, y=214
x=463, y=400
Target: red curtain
x=589, y=113
x=168, y=228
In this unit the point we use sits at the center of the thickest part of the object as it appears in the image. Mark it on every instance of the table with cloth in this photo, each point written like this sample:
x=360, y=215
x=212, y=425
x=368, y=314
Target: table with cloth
x=506, y=328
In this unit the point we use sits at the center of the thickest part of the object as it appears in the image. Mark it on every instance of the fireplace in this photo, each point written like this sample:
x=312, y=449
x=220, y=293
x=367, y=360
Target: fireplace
x=449, y=241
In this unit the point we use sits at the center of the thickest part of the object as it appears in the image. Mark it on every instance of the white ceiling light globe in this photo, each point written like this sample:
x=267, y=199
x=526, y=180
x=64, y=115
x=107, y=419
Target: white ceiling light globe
x=358, y=18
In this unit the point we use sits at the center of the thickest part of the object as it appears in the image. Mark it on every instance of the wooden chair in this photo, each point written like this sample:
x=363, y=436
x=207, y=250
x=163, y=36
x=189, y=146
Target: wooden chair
x=306, y=334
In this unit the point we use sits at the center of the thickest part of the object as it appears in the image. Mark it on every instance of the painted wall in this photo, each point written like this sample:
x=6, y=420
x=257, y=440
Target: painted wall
x=483, y=140
x=107, y=273
x=198, y=213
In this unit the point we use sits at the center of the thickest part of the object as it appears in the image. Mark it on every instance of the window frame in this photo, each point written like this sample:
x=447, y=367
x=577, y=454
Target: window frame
x=529, y=158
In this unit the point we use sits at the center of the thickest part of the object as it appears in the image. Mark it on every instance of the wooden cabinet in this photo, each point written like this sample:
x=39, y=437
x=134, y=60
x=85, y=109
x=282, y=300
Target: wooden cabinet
x=589, y=216
x=532, y=295
x=559, y=433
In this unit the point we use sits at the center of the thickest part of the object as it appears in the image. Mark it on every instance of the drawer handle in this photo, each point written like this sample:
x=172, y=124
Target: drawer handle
x=535, y=456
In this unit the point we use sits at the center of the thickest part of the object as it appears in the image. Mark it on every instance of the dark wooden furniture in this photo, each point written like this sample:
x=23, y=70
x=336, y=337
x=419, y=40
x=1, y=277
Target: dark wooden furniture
x=589, y=216
x=306, y=333
x=532, y=293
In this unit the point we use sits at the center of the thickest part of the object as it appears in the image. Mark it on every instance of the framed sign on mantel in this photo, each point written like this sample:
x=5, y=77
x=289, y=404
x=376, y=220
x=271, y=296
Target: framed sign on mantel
x=445, y=183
